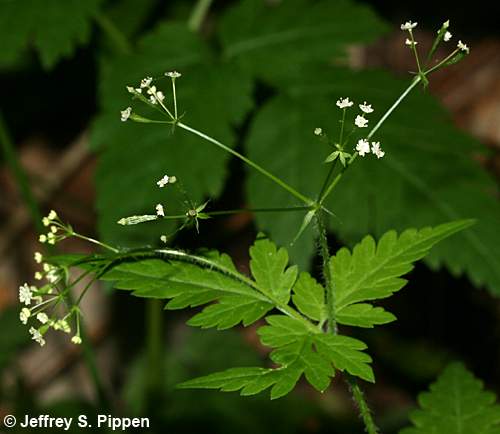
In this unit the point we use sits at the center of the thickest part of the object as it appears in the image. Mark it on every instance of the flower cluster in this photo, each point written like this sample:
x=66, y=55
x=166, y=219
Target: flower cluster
x=443, y=34
x=148, y=93
x=363, y=148
x=58, y=231
x=37, y=301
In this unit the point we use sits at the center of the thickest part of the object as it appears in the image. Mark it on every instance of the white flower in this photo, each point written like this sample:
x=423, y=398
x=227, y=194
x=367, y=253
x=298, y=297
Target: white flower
x=53, y=229
x=462, y=47
x=77, y=340
x=52, y=215
x=53, y=275
x=42, y=317
x=166, y=180
x=145, y=82
x=25, y=294
x=42, y=238
x=130, y=89
x=125, y=114
x=410, y=43
x=318, y=131
x=163, y=238
x=38, y=257
x=447, y=36
x=408, y=25
x=159, y=210
x=152, y=90
x=37, y=336
x=344, y=103
x=38, y=276
x=173, y=74
x=51, y=238
x=377, y=150
x=152, y=99
x=24, y=315
x=361, y=122
x=367, y=108
x=159, y=96
x=63, y=325
x=46, y=221
x=363, y=147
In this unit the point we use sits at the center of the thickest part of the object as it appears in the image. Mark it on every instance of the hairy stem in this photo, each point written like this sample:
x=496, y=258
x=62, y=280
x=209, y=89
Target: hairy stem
x=20, y=176
x=325, y=256
x=362, y=405
x=198, y=14
x=260, y=169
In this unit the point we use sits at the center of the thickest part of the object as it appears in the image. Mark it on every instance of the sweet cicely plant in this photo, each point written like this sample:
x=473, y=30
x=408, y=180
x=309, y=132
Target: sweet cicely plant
x=300, y=316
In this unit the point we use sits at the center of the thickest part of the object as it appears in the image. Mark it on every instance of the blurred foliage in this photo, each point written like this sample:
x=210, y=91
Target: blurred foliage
x=53, y=27
x=456, y=404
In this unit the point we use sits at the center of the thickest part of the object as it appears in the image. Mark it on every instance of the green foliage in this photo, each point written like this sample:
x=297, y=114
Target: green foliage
x=54, y=27
x=309, y=297
x=134, y=156
x=253, y=32
x=456, y=404
x=373, y=271
x=404, y=189
x=299, y=345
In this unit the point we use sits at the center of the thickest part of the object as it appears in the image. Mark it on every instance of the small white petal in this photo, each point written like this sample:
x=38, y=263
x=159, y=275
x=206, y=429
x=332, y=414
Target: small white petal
x=463, y=47
x=159, y=210
x=447, y=36
x=408, y=25
x=367, y=108
x=318, y=131
x=344, y=103
x=125, y=114
x=363, y=147
x=361, y=122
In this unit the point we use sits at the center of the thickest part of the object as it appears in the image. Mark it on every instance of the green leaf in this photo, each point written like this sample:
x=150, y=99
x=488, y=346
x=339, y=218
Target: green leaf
x=269, y=268
x=301, y=31
x=373, y=270
x=190, y=285
x=410, y=187
x=364, y=315
x=456, y=404
x=298, y=352
x=345, y=354
x=213, y=97
x=54, y=28
x=309, y=297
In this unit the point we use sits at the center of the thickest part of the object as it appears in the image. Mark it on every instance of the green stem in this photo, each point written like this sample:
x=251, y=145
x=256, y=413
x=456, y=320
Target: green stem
x=381, y=121
x=442, y=63
x=260, y=169
x=364, y=410
x=330, y=290
x=198, y=15
x=94, y=241
x=415, y=52
x=114, y=33
x=20, y=176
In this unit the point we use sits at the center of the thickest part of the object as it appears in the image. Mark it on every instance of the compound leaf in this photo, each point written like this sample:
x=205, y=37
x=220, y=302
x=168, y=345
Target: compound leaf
x=456, y=404
x=373, y=270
